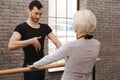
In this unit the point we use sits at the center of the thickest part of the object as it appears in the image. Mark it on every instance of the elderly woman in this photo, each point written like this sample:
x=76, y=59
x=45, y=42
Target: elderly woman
x=81, y=53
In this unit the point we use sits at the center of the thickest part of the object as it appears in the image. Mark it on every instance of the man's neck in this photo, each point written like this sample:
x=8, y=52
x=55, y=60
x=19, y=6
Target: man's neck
x=32, y=24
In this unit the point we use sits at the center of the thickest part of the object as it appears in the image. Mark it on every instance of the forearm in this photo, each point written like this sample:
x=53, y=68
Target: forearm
x=46, y=60
x=13, y=45
x=55, y=40
x=61, y=53
x=58, y=44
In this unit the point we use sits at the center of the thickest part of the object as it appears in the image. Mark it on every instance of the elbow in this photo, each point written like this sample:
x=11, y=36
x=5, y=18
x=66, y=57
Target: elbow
x=10, y=47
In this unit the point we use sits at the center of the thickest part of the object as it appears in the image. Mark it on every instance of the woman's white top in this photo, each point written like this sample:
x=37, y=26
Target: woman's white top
x=81, y=56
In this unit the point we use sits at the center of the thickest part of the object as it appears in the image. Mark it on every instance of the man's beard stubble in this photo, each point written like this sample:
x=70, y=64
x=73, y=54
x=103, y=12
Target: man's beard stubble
x=34, y=20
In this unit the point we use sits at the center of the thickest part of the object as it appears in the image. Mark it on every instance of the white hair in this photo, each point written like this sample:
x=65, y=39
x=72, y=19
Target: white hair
x=84, y=21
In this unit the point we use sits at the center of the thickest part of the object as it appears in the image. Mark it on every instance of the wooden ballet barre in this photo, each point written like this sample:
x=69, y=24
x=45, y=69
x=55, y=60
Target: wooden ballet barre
x=27, y=69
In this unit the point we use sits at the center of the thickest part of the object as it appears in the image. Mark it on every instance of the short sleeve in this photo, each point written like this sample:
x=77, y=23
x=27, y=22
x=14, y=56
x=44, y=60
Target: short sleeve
x=48, y=29
x=19, y=29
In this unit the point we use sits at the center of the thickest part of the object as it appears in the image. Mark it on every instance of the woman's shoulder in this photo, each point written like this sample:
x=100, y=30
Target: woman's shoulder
x=96, y=41
x=70, y=43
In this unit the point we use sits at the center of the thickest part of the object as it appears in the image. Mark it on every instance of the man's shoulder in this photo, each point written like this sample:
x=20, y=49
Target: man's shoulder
x=43, y=24
x=21, y=24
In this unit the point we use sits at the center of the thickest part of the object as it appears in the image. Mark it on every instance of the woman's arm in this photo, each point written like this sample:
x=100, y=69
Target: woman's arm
x=61, y=53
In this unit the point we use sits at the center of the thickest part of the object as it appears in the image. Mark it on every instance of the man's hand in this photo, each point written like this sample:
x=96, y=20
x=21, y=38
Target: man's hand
x=36, y=44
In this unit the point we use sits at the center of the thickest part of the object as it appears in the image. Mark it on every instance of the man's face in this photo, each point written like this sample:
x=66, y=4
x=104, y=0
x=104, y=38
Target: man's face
x=35, y=14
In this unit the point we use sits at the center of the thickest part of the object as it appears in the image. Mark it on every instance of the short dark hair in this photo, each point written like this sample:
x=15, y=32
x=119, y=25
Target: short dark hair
x=35, y=3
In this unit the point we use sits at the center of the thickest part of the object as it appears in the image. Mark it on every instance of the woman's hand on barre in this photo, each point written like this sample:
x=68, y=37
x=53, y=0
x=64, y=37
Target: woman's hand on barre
x=31, y=66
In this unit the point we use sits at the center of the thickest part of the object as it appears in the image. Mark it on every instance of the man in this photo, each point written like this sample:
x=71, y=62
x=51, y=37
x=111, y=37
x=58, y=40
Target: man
x=30, y=36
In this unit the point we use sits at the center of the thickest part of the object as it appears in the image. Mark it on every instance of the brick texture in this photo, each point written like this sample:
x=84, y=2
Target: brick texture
x=13, y=12
x=108, y=33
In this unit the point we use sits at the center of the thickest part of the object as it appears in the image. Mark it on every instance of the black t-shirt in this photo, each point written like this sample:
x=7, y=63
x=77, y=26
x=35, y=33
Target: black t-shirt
x=28, y=32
